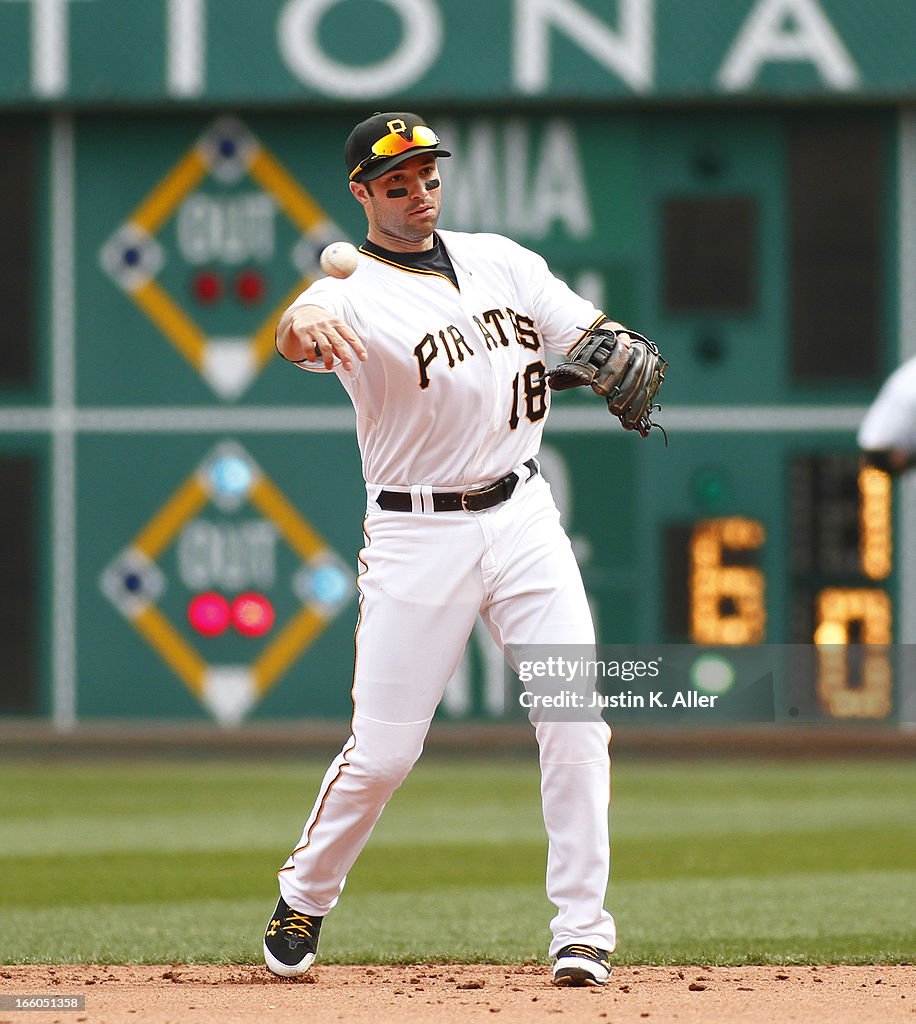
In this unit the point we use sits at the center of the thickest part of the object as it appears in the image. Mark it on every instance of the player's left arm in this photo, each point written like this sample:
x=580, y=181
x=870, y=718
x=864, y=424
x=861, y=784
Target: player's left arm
x=619, y=364
x=562, y=316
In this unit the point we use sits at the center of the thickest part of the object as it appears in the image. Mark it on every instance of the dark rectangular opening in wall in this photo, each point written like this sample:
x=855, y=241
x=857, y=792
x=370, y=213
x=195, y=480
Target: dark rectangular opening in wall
x=676, y=546
x=18, y=203
x=709, y=247
x=836, y=280
x=18, y=636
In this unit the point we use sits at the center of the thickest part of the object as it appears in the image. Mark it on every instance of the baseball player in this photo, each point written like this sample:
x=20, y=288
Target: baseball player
x=441, y=339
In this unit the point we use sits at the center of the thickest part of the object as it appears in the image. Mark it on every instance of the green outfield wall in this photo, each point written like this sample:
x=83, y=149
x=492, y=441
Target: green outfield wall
x=183, y=509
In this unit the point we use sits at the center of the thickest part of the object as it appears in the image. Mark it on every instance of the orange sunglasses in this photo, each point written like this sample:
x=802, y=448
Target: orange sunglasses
x=394, y=143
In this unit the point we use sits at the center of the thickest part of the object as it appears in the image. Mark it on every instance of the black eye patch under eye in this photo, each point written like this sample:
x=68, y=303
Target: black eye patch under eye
x=396, y=193
x=432, y=183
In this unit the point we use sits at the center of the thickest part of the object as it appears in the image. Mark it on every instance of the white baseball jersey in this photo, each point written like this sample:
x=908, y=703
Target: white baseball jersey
x=458, y=373
x=891, y=420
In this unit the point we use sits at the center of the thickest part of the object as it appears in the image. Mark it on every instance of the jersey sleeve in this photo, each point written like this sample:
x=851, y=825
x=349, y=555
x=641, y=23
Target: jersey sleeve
x=562, y=315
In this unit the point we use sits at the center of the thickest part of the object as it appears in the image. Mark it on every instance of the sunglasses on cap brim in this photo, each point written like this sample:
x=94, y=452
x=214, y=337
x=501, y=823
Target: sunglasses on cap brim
x=394, y=143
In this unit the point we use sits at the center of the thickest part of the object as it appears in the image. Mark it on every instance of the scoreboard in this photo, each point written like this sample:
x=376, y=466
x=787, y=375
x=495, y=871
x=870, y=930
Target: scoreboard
x=833, y=590
x=191, y=505
x=838, y=543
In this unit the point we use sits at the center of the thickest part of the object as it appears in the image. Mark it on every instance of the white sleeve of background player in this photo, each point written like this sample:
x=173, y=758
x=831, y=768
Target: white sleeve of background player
x=327, y=293
x=561, y=314
x=891, y=419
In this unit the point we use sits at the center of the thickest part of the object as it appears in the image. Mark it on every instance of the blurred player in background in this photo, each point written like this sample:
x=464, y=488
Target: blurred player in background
x=887, y=434
x=441, y=341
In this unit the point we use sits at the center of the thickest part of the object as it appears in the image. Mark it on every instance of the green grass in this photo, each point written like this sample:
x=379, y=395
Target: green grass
x=713, y=862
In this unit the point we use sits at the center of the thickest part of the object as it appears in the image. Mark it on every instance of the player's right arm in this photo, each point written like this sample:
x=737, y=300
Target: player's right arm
x=310, y=334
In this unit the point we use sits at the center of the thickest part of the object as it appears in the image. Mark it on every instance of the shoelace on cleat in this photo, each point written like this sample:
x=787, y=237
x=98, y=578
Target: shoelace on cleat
x=298, y=924
x=590, y=952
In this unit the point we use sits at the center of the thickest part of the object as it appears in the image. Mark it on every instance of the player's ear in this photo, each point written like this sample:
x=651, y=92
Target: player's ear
x=361, y=190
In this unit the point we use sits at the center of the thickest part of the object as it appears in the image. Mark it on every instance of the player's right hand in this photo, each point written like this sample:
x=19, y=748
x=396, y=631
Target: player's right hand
x=313, y=334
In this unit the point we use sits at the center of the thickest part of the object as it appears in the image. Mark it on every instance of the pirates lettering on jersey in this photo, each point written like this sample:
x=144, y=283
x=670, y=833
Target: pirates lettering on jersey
x=525, y=332
x=495, y=318
x=494, y=330
x=454, y=344
x=493, y=325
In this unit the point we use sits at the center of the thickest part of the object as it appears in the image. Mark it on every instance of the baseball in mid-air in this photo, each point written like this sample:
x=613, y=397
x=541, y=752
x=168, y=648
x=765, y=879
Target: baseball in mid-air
x=339, y=259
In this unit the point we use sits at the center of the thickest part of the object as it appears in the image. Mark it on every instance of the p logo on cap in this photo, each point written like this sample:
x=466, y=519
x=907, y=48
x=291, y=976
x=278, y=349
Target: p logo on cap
x=385, y=140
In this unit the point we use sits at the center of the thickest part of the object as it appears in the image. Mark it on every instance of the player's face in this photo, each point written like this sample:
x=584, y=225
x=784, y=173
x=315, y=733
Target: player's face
x=403, y=205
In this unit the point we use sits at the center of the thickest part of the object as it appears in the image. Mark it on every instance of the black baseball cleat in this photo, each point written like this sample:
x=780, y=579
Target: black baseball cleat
x=291, y=941
x=582, y=965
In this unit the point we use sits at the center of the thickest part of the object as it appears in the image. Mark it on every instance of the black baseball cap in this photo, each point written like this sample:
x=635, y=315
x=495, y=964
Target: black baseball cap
x=385, y=140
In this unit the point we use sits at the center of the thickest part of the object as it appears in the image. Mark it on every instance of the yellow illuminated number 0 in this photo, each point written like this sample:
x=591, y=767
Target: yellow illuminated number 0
x=837, y=608
x=727, y=602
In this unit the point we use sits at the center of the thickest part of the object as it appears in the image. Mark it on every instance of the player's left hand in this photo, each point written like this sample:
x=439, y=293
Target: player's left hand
x=622, y=366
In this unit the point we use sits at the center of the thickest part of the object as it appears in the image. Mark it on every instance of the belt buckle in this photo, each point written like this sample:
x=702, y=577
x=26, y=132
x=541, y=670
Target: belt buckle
x=472, y=493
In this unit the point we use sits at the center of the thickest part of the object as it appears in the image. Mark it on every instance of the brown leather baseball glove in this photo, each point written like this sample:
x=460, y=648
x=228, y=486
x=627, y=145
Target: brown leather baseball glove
x=622, y=366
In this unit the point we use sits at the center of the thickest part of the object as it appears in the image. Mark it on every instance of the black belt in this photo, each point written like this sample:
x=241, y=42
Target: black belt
x=475, y=500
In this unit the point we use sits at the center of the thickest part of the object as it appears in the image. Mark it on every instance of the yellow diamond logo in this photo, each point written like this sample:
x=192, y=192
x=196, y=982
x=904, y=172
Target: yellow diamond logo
x=228, y=583
x=216, y=252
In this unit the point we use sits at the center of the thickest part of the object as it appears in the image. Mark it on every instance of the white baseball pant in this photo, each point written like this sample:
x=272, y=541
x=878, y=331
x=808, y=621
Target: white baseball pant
x=424, y=578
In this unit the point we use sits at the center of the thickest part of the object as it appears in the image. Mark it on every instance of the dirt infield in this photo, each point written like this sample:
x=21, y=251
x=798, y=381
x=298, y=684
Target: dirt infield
x=432, y=994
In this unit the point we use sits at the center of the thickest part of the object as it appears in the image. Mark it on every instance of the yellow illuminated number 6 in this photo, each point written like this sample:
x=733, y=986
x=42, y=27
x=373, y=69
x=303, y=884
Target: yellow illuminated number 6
x=727, y=602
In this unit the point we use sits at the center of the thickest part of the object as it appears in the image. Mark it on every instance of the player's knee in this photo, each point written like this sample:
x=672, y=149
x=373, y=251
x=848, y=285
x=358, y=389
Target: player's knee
x=573, y=742
x=388, y=768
